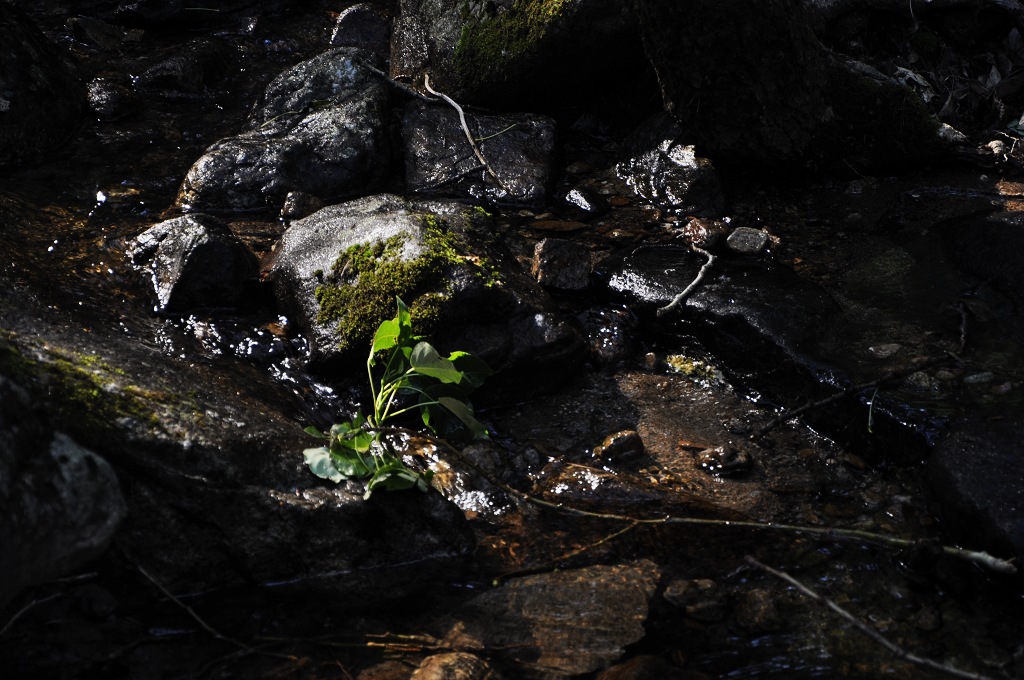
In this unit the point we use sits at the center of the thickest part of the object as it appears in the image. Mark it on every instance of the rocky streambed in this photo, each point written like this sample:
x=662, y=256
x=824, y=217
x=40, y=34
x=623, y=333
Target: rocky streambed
x=183, y=289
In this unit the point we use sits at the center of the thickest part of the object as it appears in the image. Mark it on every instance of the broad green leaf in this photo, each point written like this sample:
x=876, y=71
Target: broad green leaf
x=321, y=464
x=314, y=431
x=386, y=337
x=350, y=467
x=426, y=361
x=474, y=370
x=464, y=413
x=404, y=319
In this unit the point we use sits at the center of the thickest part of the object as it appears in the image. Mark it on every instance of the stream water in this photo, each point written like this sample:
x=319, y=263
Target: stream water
x=63, y=272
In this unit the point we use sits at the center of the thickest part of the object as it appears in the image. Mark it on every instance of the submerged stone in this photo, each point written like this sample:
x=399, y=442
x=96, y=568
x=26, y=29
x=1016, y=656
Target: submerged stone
x=559, y=624
x=561, y=264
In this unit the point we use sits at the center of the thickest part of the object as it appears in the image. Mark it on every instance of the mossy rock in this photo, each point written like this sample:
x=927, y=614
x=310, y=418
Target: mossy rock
x=523, y=54
x=338, y=272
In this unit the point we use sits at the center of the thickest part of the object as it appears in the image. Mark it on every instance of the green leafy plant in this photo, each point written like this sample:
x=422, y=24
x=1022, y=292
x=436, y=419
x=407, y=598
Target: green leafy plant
x=413, y=377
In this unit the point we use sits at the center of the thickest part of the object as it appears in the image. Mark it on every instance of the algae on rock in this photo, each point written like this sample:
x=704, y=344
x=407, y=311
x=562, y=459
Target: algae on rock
x=367, y=276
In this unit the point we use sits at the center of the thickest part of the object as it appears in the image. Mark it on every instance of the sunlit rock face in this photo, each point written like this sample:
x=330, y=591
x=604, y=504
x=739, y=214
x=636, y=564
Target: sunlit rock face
x=320, y=128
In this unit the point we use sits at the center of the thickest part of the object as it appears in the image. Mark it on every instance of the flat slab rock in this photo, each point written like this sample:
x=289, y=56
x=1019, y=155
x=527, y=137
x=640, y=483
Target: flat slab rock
x=562, y=623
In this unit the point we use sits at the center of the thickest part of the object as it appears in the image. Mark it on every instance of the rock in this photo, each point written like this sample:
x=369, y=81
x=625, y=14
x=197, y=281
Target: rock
x=705, y=233
x=752, y=308
x=440, y=162
x=669, y=173
x=200, y=64
x=561, y=264
x=319, y=128
x=756, y=611
x=724, y=461
x=41, y=96
x=521, y=55
x=581, y=203
x=464, y=290
x=974, y=473
x=365, y=26
x=620, y=447
x=111, y=100
x=454, y=666
x=701, y=599
x=194, y=262
x=298, y=204
x=62, y=503
x=747, y=241
x=987, y=247
x=558, y=624
x=96, y=32
x=609, y=335
x=215, y=488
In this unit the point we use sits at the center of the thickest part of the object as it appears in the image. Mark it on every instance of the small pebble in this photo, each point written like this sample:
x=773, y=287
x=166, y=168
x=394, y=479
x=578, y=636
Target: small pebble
x=747, y=241
x=620, y=447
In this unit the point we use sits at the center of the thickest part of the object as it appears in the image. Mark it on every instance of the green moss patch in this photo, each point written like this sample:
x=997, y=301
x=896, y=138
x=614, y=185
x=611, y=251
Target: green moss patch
x=488, y=48
x=359, y=292
x=87, y=397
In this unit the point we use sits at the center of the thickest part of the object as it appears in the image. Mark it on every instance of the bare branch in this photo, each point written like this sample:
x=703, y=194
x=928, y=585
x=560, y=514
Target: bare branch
x=896, y=650
x=679, y=299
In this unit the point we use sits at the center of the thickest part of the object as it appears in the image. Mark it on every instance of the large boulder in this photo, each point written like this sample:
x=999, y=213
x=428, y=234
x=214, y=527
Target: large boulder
x=518, y=53
x=41, y=96
x=212, y=478
x=62, y=503
x=338, y=271
x=319, y=128
x=439, y=160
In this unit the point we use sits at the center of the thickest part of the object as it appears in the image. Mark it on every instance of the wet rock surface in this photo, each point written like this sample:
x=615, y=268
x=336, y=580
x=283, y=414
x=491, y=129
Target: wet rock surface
x=319, y=129
x=439, y=160
x=560, y=624
x=194, y=262
x=669, y=173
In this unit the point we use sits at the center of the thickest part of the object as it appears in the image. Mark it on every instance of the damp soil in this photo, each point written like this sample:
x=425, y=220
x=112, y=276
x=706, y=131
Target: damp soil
x=66, y=283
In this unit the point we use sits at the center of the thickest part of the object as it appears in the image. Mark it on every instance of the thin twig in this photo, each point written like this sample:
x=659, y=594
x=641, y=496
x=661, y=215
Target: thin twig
x=552, y=564
x=679, y=299
x=896, y=650
x=191, y=612
x=24, y=609
x=406, y=89
x=994, y=563
x=465, y=128
x=853, y=389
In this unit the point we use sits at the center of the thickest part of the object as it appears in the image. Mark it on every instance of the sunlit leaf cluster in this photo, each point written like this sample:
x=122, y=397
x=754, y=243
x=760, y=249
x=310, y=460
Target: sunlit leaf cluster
x=407, y=375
